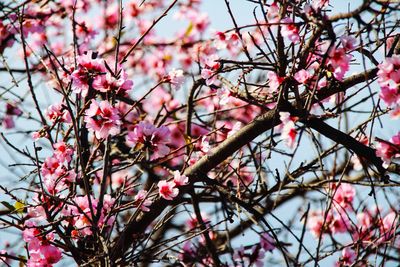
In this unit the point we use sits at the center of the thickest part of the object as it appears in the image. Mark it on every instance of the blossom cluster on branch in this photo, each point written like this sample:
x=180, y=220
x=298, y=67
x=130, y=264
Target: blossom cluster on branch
x=138, y=132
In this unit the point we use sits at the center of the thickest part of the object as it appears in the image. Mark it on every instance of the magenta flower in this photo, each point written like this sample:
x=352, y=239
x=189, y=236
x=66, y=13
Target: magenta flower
x=389, y=72
x=267, y=242
x=344, y=195
x=147, y=136
x=289, y=30
x=302, y=76
x=348, y=257
x=339, y=62
x=289, y=132
x=273, y=13
x=103, y=119
x=167, y=190
x=106, y=83
x=88, y=69
x=140, y=199
x=58, y=112
x=389, y=150
x=63, y=151
x=274, y=81
x=180, y=179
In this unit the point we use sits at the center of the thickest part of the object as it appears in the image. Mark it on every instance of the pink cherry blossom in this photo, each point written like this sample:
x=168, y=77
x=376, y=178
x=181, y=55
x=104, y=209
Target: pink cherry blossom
x=180, y=179
x=193, y=222
x=8, y=122
x=88, y=69
x=274, y=81
x=167, y=190
x=288, y=132
x=58, y=112
x=348, y=42
x=140, y=199
x=107, y=83
x=388, y=226
x=103, y=119
x=176, y=78
x=209, y=76
x=63, y=151
x=289, y=30
x=320, y=4
x=348, y=257
x=302, y=76
x=387, y=150
x=343, y=195
x=339, y=62
x=147, y=136
x=267, y=242
x=51, y=254
x=273, y=13
x=389, y=72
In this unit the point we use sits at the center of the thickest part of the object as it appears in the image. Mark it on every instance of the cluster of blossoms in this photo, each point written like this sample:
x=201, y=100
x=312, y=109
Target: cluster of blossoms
x=208, y=73
x=91, y=72
x=389, y=80
x=57, y=176
x=102, y=107
x=389, y=150
x=368, y=227
x=41, y=251
x=80, y=217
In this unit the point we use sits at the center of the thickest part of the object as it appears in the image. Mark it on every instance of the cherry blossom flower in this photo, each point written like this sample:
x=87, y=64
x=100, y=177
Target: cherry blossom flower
x=167, y=190
x=209, y=76
x=208, y=73
x=176, y=78
x=147, y=136
x=8, y=122
x=348, y=257
x=63, y=151
x=102, y=119
x=267, y=242
x=387, y=150
x=88, y=69
x=273, y=13
x=236, y=127
x=107, y=83
x=339, y=62
x=274, y=81
x=389, y=80
x=334, y=223
x=140, y=199
x=364, y=230
x=389, y=72
x=180, y=179
x=58, y=112
x=388, y=226
x=343, y=195
x=288, y=132
x=193, y=222
x=289, y=30
x=56, y=175
x=348, y=42
x=205, y=145
x=41, y=252
x=302, y=76
x=319, y=4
